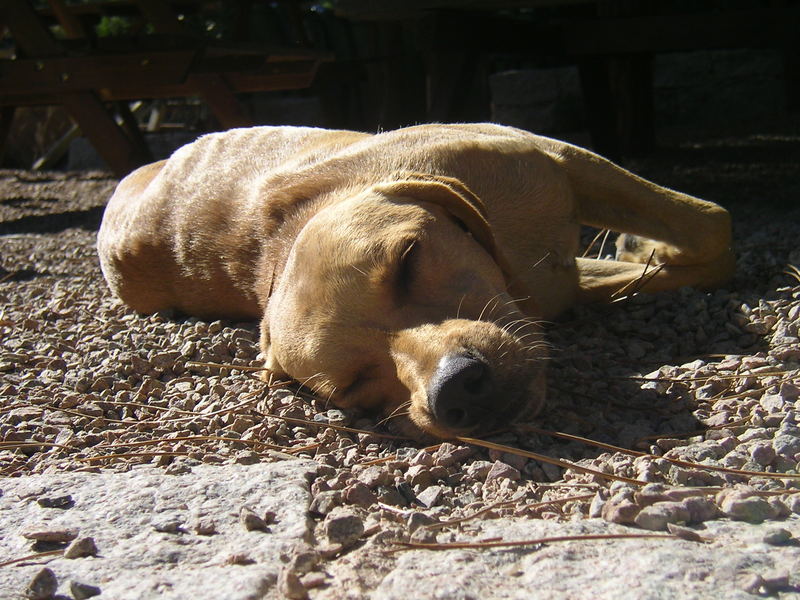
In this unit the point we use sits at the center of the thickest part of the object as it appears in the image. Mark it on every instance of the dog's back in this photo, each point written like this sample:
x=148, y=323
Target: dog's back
x=192, y=232
x=185, y=233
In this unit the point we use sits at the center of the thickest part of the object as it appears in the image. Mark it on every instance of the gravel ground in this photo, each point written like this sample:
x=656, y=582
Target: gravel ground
x=702, y=390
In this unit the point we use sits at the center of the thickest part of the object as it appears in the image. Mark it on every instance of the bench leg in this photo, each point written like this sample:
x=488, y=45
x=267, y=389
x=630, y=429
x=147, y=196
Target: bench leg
x=120, y=153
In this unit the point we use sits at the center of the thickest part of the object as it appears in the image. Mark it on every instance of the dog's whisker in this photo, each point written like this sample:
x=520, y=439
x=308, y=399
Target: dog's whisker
x=515, y=300
x=528, y=334
x=486, y=306
x=603, y=244
x=387, y=420
x=460, y=303
x=521, y=325
x=539, y=262
x=310, y=377
x=330, y=395
x=400, y=411
x=592, y=243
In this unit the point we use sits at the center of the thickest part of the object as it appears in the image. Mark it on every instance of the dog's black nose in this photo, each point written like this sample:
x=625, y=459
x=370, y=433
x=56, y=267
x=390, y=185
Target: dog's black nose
x=461, y=391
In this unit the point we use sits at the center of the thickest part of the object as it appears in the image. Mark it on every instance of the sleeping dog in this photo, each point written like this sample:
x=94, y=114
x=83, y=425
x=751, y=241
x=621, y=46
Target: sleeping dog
x=408, y=271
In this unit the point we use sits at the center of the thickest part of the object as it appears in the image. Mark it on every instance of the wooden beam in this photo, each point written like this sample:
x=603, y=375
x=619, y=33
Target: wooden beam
x=216, y=91
x=273, y=77
x=64, y=74
x=27, y=29
x=160, y=14
x=106, y=136
x=72, y=26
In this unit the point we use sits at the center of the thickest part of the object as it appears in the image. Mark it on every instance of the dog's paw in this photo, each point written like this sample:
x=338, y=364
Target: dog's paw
x=635, y=249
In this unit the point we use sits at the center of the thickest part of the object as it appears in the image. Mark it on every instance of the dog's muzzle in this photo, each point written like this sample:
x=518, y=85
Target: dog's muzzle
x=462, y=392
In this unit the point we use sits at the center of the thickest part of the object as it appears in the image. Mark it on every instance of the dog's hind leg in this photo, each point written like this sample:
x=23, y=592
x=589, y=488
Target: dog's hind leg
x=687, y=239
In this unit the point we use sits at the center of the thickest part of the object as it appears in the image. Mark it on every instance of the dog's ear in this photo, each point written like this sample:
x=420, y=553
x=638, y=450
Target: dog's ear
x=451, y=195
x=455, y=197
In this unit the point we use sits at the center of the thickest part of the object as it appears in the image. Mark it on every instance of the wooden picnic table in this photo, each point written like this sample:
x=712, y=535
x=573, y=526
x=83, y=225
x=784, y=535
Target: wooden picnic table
x=89, y=77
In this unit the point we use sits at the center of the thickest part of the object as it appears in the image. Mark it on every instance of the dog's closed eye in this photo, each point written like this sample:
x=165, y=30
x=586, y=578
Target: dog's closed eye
x=406, y=270
x=461, y=225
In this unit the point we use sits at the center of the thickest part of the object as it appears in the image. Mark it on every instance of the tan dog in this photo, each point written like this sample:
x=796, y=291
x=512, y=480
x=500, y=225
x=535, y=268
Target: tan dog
x=405, y=271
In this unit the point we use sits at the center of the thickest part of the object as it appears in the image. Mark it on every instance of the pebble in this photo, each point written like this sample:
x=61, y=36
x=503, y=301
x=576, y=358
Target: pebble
x=290, y=585
x=325, y=502
x=762, y=453
x=360, y=494
x=314, y=580
x=64, y=501
x=777, y=536
x=303, y=559
x=597, y=504
x=744, y=506
x=775, y=581
x=500, y=470
x=167, y=523
x=80, y=548
x=652, y=493
x=690, y=535
x=701, y=509
x=423, y=457
x=449, y=454
x=431, y=496
x=419, y=475
x=81, y=591
x=753, y=583
x=373, y=476
x=55, y=535
x=43, y=586
x=251, y=521
x=787, y=444
x=418, y=519
x=656, y=516
x=620, y=510
x=204, y=525
x=342, y=527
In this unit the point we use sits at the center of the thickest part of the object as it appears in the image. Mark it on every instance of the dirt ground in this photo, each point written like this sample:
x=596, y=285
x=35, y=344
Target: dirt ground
x=708, y=378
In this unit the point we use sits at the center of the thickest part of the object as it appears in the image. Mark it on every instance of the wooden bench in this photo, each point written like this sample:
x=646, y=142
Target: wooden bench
x=89, y=77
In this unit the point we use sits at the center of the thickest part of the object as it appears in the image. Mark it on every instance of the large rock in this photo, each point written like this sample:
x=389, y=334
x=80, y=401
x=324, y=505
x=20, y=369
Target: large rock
x=142, y=523
x=622, y=569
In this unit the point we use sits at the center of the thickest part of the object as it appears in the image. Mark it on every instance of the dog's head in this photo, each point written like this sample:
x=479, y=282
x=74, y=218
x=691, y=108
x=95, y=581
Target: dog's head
x=398, y=299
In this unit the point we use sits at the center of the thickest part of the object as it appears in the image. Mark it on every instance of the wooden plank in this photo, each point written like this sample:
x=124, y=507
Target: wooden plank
x=131, y=127
x=274, y=77
x=106, y=136
x=72, y=26
x=277, y=76
x=161, y=16
x=216, y=91
x=65, y=74
x=28, y=31
x=59, y=75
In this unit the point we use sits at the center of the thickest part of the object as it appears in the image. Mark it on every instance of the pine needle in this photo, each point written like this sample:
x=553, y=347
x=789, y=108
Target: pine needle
x=533, y=542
